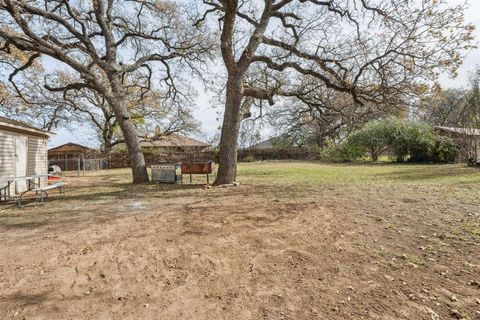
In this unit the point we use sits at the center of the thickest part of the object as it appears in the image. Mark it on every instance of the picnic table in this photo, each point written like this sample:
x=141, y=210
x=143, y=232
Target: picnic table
x=33, y=184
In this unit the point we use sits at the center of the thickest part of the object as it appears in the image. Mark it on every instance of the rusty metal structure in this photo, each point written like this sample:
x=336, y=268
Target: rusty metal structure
x=206, y=168
x=173, y=172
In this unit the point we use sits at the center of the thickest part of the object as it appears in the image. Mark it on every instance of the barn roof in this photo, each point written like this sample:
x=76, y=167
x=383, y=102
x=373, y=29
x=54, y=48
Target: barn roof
x=267, y=144
x=458, y=130
x=18, y=126
x=70, y=147
x=270, y=143
x=174, y=140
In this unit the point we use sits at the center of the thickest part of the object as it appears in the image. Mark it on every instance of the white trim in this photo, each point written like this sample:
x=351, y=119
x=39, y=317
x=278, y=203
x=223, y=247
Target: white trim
x=7, y=125
x=25, y=139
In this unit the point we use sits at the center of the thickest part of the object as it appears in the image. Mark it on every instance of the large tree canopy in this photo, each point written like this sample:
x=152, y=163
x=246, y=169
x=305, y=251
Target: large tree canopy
x=154, y=110
x=102, y=43
x=376, y=51
x=332, y=116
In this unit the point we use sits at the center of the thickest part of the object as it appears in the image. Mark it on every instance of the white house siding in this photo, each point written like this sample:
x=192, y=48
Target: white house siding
x=37, y=159
x=7, y=155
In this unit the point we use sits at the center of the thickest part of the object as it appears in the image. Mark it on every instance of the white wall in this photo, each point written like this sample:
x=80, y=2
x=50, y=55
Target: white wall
x=37, y=155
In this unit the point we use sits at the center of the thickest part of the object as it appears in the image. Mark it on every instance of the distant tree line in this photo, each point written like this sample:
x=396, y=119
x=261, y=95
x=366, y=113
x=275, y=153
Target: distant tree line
x=453, y=107
x=372, y=129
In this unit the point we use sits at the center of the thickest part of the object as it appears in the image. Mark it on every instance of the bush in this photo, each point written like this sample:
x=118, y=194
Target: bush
x=444, y=150
x=249, y=158
x=377, y=136
x=372, y=138
x=344, y=152
x=419, y=143
x=416, y=142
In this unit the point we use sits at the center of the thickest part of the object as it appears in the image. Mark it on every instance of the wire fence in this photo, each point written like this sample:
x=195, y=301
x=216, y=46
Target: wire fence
x=122, y=160
x=79, y=164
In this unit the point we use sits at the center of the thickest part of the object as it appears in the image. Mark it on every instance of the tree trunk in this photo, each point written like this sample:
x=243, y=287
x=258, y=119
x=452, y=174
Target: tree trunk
x=319, y=138
x=373, y=154
x=230, y=129
x=130, y=135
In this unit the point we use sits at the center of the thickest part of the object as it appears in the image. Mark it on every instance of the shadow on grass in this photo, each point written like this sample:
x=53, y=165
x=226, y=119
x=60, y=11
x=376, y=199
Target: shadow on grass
x=349, y=163
x=456, y=174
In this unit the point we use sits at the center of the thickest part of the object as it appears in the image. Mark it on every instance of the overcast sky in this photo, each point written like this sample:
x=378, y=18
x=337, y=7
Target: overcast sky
x=473, y=58
x=208, y=116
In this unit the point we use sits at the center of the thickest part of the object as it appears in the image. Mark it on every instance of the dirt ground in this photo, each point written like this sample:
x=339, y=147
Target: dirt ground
x=293, y=241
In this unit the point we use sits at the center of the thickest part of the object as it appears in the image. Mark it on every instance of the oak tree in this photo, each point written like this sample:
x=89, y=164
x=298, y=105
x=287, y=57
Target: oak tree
x=372, y=50
x=102, y=43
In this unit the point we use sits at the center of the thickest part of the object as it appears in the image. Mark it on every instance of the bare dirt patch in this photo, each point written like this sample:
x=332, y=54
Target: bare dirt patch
x=326, y=247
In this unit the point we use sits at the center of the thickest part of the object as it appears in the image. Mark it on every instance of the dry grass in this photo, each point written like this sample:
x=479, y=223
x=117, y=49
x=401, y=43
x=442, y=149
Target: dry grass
x=294, y=241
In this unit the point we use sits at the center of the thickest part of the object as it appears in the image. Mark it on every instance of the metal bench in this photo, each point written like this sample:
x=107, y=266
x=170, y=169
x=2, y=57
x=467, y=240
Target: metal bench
x=41, y=192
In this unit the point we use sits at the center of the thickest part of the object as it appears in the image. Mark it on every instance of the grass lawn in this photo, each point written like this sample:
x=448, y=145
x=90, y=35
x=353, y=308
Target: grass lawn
x=296, y=240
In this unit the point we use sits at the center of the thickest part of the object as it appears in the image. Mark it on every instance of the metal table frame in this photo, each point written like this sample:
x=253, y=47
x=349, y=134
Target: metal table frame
x=5, y=191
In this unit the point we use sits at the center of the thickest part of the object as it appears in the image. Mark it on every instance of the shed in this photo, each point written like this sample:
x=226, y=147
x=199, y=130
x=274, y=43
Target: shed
x=468, y=139
x=23, y=151
x=69, y=155
x=69, y=151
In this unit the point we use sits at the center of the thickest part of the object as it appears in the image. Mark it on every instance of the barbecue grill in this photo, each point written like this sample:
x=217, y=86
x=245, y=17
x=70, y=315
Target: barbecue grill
x=167, y=172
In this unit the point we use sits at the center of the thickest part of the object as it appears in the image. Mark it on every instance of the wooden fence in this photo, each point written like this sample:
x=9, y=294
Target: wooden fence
x=275, y=154
x=121, y=160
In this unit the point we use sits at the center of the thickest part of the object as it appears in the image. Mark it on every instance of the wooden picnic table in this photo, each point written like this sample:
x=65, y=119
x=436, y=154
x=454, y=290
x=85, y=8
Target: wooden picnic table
x=5, y=191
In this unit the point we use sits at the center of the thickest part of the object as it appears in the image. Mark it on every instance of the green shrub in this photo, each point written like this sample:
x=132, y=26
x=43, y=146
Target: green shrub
x=249, y=158
x=416, y=142
x=372, y=138
x=443, y=150
x=344, y=152
x=420, y=143
x=446, y=149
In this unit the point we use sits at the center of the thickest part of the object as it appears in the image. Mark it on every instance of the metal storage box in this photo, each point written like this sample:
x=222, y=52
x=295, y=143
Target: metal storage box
x=167, y=172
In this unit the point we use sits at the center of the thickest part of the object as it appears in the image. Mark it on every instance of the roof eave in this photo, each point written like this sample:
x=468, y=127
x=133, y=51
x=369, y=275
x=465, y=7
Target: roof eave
x=32, y=130
x=457, y=130
x=71, y=143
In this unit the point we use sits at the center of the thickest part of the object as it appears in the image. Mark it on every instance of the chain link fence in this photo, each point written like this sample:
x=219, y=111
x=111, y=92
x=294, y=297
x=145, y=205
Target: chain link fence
x=79, y=164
